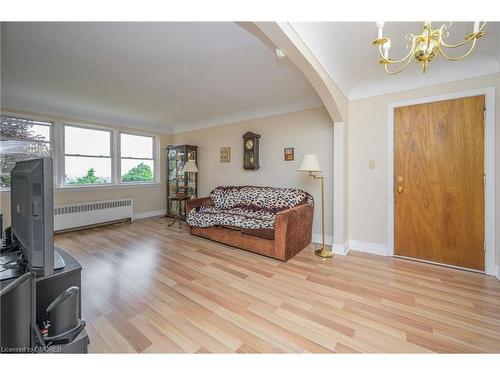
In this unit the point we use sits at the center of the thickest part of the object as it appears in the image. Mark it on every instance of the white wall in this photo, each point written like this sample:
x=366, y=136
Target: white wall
x=309, y=131
x=367, y=139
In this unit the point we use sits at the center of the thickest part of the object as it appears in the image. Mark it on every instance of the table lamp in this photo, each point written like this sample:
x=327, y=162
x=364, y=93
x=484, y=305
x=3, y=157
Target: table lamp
x=190, y=167
x=310, y=163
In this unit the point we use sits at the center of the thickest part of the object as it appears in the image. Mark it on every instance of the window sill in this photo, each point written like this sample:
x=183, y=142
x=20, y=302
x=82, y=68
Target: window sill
x=98, y=187
x=107, y=186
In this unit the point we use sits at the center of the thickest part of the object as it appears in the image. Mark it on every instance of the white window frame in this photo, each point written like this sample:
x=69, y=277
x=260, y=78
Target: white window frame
x=58, y=152
x=156, y=153
x=62, y=182
x=52, y=136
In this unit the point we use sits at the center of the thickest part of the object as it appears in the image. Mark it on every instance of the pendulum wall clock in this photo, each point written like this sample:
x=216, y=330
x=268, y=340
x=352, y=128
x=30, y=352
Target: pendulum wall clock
x=251, y=151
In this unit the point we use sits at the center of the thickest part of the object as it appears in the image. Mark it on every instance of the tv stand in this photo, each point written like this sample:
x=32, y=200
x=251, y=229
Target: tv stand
x=58, y=259
x=49, y=287
x=67, y=273
x=8, y=272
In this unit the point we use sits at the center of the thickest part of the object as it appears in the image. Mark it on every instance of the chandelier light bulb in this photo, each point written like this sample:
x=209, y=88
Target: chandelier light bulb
x=387, y=46
x=380, y=27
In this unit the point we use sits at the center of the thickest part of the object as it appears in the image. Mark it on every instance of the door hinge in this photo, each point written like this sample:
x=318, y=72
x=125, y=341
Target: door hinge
x=484, y=179
x=484, y=246
x=484, y=113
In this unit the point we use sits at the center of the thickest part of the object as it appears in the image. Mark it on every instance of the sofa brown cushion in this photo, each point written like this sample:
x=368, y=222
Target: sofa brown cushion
x=268, y=234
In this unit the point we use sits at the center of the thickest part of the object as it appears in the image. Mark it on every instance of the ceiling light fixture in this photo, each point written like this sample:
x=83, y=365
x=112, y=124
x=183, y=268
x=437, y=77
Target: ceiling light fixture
x=425, y=46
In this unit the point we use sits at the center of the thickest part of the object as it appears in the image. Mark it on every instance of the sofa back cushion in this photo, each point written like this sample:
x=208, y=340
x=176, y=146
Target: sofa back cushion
x=259, y=197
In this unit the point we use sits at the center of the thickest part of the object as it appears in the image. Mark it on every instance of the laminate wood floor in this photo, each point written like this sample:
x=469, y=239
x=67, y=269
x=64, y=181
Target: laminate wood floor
x=148, y=288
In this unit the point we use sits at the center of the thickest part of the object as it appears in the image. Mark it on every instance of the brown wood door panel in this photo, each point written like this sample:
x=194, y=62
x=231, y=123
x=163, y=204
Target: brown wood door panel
x=439, y=164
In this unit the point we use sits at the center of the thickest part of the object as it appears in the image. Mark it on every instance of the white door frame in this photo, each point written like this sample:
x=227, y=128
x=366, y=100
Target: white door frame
x=489, y=167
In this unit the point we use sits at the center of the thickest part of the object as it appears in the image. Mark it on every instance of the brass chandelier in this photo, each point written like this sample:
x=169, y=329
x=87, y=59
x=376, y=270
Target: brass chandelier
x=425, y=46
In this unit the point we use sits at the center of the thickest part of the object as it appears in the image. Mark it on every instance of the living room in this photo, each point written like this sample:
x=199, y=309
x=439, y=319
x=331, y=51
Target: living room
x=236, y=187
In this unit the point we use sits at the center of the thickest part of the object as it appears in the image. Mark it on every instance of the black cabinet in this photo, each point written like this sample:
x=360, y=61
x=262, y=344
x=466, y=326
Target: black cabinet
x=49, y=287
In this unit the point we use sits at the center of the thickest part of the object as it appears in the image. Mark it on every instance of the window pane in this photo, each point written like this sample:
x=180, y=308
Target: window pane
x=82, y=141
x=86, y=171
x=137, y=170
x=21, y=139
x=20, y=128
x=41, y=132
x=136, y=146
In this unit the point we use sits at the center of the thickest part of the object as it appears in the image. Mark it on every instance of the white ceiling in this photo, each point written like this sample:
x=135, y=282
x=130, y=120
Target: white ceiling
x=175, y=77
x=344, y=49
x=161, y=76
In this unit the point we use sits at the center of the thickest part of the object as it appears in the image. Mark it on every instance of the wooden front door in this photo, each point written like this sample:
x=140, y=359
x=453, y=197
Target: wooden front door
x=439, y=182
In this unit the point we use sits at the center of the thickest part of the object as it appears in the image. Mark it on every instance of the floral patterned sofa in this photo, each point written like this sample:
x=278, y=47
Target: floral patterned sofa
x=275, y=222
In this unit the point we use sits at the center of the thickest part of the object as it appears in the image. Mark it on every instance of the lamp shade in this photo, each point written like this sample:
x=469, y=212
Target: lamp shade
x=310, y=163
x=190, y=166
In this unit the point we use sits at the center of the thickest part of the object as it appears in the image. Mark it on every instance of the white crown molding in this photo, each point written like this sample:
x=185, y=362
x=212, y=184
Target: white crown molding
x=31, y=107
x=416, y=80
x=240, y=117
x=21, y=105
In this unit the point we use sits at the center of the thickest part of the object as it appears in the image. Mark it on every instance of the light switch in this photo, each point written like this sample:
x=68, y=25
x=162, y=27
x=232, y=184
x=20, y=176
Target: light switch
x=371, y=164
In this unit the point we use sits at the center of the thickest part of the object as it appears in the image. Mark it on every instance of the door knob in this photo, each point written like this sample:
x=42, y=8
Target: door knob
x=400, y=189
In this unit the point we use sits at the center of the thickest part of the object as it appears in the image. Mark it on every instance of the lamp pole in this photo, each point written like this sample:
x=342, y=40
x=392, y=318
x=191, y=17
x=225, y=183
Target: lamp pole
x=323, y=252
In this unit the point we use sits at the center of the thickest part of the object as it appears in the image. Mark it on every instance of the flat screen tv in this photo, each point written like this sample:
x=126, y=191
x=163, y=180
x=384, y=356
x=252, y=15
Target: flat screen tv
x=32, y=206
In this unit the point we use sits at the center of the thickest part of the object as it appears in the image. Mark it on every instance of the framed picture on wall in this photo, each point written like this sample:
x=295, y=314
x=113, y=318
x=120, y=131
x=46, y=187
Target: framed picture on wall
x=225, y=154
x=289, y=154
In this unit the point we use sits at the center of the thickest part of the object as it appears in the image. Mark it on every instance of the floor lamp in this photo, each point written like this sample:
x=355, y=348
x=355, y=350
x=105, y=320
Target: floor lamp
x=310, y=163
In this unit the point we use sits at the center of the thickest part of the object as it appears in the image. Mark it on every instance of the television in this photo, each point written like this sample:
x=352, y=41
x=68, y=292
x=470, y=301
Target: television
x=32, y=206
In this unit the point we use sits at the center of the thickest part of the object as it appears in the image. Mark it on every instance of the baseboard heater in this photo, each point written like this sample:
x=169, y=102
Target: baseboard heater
x=70, y=216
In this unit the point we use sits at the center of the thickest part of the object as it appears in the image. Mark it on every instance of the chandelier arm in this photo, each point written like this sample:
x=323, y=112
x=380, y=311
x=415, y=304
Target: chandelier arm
x=468, y=38
x=403, y=67
x=457, y=58
x=391, y=61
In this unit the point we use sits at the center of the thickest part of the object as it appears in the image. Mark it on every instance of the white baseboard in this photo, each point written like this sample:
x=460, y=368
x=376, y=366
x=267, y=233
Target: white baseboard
x=143, y=215
x=368, y=247
x=498, y=271
x=341, y=249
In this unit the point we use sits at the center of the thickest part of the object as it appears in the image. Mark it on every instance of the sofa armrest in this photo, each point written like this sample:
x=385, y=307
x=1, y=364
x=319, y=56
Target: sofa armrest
x=293, y=230
x=198, y=202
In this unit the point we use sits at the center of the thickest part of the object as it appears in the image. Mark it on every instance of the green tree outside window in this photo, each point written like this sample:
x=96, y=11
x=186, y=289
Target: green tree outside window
x=141, y=172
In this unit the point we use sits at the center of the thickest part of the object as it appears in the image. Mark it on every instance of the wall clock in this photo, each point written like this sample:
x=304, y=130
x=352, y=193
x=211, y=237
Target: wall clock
x=251, y=151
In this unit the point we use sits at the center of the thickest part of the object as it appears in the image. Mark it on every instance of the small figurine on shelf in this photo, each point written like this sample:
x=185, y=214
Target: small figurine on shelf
x=181, y=191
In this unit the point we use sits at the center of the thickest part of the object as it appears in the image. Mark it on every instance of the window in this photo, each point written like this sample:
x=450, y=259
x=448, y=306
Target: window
x=137, y=158
x=22, y=139
x=87, y=156
x=84, y=155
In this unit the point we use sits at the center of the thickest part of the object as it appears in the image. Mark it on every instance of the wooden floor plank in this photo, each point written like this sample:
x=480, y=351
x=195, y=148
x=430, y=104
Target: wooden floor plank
x=148, y=288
